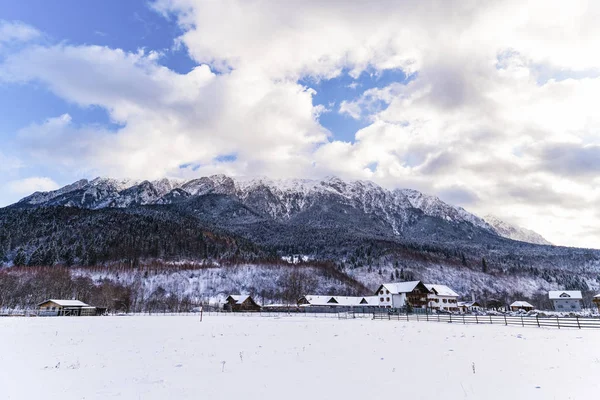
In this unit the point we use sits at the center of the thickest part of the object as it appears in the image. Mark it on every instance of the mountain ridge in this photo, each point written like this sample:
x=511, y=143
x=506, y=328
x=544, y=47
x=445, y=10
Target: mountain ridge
x=288, y=196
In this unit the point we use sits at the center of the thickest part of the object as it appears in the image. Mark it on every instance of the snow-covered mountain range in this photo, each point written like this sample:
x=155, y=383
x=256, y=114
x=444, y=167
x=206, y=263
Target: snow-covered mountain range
x=515, y=232
x=354, y=232
x=279, y=199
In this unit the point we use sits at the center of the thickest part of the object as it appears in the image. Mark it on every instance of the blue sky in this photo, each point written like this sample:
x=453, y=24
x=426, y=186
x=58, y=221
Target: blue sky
x=130, y=26
x=474, y=103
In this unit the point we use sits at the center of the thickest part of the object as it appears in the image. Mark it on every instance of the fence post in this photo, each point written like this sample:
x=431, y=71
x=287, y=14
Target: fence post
x=578, y=325
x=450, y=318
x=464, y=322
x=417, y=317
x=407, y=317
x=476, y=319
x=505, y=323
x=557, y=322
x=491, y=320
x=522, y=322
x=427, y=317
x=438, y=317
x=537, y=319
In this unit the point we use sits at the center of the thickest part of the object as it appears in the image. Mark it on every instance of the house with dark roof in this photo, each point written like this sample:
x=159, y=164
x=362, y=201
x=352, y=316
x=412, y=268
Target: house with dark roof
x=238, y=303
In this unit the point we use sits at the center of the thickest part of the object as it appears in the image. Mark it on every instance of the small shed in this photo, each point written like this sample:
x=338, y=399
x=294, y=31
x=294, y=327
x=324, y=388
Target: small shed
x=57, y=307
x=466, y=306
x=521, y=305
x=238, y=303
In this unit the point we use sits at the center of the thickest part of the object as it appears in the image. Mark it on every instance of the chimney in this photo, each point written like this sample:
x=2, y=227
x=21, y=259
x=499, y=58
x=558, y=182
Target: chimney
x=473, y=297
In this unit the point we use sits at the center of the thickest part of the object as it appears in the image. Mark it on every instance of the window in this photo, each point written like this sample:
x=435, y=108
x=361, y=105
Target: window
x=560, y=306
x=381, y=299
x=387, y=292
x=445, y=301
x=381, y=293
x=53, y=308
x=573, y=306
x=387, y=299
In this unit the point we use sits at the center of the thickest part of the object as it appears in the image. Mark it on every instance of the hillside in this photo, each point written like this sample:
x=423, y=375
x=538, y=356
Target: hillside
x=367, y=232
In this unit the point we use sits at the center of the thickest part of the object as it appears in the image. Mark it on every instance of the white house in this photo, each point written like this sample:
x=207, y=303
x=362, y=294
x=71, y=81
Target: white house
x=396, y=295
x=441, y=297
x=566, y=300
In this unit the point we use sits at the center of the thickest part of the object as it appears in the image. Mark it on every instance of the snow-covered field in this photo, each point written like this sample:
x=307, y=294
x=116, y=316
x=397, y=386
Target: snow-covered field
x=288, y=358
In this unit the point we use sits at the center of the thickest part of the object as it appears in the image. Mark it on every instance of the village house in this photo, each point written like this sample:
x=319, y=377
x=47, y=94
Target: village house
x=238, y=303
x=521, y=305
x=441, y=297
x=397, y=295
x=56, y=307
x=469, y=306
x=338, y=302
x=596, y=301
x=566, y=300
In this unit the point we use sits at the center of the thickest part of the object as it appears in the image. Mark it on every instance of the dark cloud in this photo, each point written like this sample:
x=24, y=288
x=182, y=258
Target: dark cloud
x=570, y=159
x=439, y=163
x=458, y=195
x=527, y=191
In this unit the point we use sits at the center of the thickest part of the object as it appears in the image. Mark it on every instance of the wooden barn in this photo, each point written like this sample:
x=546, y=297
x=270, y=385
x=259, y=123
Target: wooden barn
x=237, y=303
x=596, y=301
x=55, y=307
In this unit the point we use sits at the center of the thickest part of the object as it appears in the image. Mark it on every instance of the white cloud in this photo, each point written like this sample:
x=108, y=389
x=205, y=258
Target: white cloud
x=15, y=31
x=481, y=122
x=9, y=163
x=27, y=186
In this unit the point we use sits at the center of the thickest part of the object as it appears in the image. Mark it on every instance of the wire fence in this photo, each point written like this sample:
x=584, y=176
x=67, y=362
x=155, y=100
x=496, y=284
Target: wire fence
x=524, y=321
x=549, y=322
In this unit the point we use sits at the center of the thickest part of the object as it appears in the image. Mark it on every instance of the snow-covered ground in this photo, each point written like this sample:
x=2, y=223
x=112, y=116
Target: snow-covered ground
x=288, y=358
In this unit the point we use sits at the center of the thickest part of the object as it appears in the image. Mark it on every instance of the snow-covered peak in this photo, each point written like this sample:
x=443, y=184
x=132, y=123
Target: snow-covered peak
x=435, y=207
x=280, y=199
x=514, y=232
x=116, y=184
x=43, y=197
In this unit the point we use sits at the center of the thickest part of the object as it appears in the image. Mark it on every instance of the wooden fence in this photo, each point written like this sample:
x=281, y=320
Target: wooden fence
x=550, y=322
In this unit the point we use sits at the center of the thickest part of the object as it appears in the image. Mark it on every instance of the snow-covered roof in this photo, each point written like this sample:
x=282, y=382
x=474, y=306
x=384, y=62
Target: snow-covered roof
x=521, y=304
x=279, y=305
x=371, y=300
x=467, y=303
x=315, y=300
x=597, y=296
x=441, y=290
x=348, y=300
x=401, y=287
x=239, y=298
x=66, y=303
x=564, y=294
x=344, y=301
